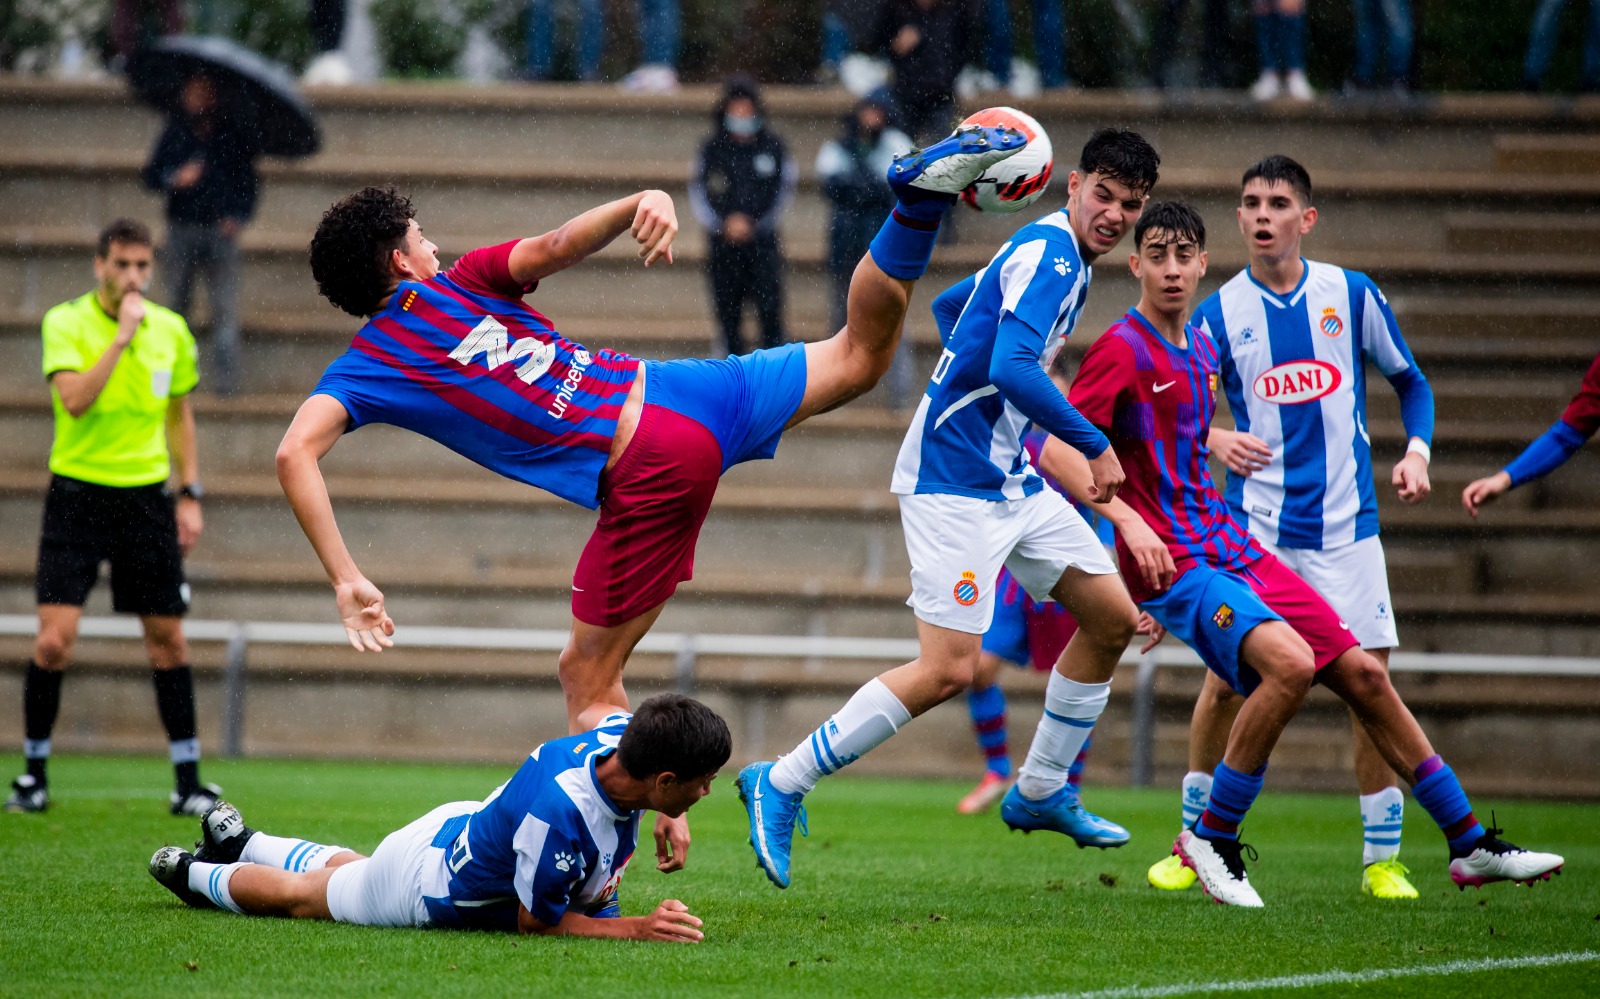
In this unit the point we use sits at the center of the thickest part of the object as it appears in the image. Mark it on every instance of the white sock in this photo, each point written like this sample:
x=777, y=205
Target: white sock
x=211, y=880
x=1196, y=796
x=1070, y=711
x=1380, y=825
x=869, y=718
x=288, y=854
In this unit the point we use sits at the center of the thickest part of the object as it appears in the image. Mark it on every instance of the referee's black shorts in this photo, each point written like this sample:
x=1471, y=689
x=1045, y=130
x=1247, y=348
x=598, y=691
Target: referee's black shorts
x=135, y=529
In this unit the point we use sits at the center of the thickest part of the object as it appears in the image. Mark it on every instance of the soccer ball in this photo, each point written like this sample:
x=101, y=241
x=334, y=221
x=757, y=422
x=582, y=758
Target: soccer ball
x=1016, y=181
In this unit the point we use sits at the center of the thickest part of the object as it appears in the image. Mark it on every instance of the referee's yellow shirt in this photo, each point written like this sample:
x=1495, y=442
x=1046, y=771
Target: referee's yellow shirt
x=122, y=439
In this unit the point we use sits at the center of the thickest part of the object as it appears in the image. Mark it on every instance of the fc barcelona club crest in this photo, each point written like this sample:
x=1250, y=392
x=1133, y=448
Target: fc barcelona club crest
x=1332, y=325
x=1223, y=618
x=967, y=589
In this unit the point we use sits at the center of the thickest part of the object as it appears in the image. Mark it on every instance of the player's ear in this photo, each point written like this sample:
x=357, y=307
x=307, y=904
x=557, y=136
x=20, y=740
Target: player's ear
x=1203, y=261
x=1133, y=263
x=1308, y=219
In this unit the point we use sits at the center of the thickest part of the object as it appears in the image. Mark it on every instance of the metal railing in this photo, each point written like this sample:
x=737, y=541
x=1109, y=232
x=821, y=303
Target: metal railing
x=686, y=648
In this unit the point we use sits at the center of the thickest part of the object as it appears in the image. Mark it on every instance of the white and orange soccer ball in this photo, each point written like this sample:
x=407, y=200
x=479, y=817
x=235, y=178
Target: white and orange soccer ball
x=1016, y=181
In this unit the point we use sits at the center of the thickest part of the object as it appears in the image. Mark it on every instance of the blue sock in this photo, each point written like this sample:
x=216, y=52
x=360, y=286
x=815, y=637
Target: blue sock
x=904, y=244
x=1232, y=794
x=1440, y=794
x=988, y=707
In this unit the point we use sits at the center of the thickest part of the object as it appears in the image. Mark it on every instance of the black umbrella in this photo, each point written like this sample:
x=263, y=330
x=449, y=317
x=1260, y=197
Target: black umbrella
x=248, y=84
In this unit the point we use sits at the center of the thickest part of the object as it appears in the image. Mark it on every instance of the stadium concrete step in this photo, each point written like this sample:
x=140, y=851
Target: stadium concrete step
x=1361, y=209
x=1522, y=232
x=1557, y=155
x=596, y=124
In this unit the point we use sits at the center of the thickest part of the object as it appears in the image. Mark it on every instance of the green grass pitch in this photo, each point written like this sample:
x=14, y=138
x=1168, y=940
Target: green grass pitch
x=894, y=895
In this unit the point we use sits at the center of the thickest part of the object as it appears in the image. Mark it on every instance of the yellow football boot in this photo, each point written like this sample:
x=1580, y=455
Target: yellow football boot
x=1385, y=879
x=1172, y=874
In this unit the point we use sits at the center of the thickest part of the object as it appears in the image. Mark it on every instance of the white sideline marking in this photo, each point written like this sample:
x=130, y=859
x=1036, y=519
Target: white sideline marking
x=1332, y=977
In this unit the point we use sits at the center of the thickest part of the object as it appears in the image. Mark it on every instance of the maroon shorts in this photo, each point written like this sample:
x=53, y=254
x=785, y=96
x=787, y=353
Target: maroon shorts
x=652, y=504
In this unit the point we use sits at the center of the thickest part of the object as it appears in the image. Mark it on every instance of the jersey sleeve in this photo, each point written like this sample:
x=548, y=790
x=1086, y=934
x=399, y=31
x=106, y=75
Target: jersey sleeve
x=1583, y=412
x=488, y=269
x=186, y=369
x=1382, y=343
x=1101, y=380
x=64, y=349
x=358, y=391
x=1036, y=278
x=550, y=866
x=950, y=303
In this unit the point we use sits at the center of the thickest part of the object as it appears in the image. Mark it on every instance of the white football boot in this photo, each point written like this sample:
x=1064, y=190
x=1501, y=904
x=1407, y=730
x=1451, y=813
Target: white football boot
x=1219, y=866
x=1493, y=859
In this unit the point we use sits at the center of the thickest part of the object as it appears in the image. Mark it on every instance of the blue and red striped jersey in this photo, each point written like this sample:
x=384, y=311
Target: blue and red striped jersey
x=1155, y=403
x=462, y=360
x=1583, y=412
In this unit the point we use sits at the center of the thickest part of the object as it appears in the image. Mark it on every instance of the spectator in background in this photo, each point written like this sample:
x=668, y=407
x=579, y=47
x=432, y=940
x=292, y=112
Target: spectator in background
x=588, y=38
x=120, y=370
x=1281, y=46
x=1542, y=46
x=1049, y=46
x=1395, y=16
x=204, y=162
x=927, y=42
x=852, y=169
x=135, y=22
x=1216, y=54
x=742, y=181
x=660, y=23
x=329, y=67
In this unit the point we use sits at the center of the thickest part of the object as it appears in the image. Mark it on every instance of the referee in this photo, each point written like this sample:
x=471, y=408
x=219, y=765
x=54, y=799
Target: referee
x=120, y=370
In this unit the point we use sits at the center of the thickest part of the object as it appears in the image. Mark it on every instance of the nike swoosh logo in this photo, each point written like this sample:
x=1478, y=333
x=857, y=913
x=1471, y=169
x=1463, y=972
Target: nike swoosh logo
x=1163, y=388
x=577, y=589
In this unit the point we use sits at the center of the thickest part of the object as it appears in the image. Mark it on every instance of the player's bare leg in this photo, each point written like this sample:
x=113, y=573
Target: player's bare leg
x=591, y=666
x=1382, y=808
x=1080, y=685
x=1373, y=773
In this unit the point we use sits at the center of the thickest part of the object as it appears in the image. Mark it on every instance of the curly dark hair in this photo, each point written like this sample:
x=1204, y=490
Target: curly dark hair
x=350, y=249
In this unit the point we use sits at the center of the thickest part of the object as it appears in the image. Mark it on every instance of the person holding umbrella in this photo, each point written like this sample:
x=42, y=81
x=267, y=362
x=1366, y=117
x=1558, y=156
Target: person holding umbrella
x=225, y=107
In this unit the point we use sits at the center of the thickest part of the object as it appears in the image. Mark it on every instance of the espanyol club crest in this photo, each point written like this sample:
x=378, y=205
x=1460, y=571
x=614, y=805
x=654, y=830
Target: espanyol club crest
x=966, y=591
x=1332, y=325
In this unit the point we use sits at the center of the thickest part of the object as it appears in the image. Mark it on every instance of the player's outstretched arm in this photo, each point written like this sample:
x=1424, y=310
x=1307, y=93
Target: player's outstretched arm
x=671, y=922
x=317, y=426
x=648, y=216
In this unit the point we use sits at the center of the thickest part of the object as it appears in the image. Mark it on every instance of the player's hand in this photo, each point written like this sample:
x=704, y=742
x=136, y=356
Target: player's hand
x=671, y=922
x=1484, y=491
x=655, y=224
x=1108, y=476
x=1154, y=557
x=672, y=843
x=1152, y=630
x=129, y=315
x=190, y=523
x=1411, y=476
x=366, y=624
x=188, y=175
x=1244, y=454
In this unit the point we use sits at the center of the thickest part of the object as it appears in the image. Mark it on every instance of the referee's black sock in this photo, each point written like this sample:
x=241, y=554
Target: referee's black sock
x=41, y=700
x=175, y=702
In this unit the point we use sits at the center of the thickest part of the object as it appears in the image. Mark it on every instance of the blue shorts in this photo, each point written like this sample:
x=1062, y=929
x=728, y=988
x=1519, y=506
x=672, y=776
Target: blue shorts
x=1007, y=636
x=744, y=400
x=1211, y=610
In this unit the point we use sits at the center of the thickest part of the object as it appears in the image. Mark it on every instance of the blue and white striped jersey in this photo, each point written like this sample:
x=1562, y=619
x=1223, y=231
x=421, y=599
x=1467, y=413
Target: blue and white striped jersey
x=548, y=838
x=966, y=438
x=1293, y=369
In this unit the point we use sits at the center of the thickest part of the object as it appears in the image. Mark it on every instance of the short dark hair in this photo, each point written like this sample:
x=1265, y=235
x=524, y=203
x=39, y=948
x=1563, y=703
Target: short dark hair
x=1281, y=170
x=350, y=249
x=1172, y=217
x=674, y=734
x=131, y=232
x=1122, y=155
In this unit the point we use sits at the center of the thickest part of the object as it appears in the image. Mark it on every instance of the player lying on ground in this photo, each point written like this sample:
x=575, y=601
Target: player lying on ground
x=456, y=356
x=1150, y=382
x=1549, y=451
x=970, y=501
x=1294, y=338
x=544, y=853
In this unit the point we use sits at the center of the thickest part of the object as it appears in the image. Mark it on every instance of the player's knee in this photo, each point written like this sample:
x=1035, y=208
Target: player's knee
x=1364, y=676
x=1289, y=662
x=52, y=648
x=167, y=647
x=1112, y=630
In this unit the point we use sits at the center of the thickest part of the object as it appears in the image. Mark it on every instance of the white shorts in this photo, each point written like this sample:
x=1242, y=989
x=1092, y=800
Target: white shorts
x=1354, y=580
x=386, y=889
x=958, y=543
